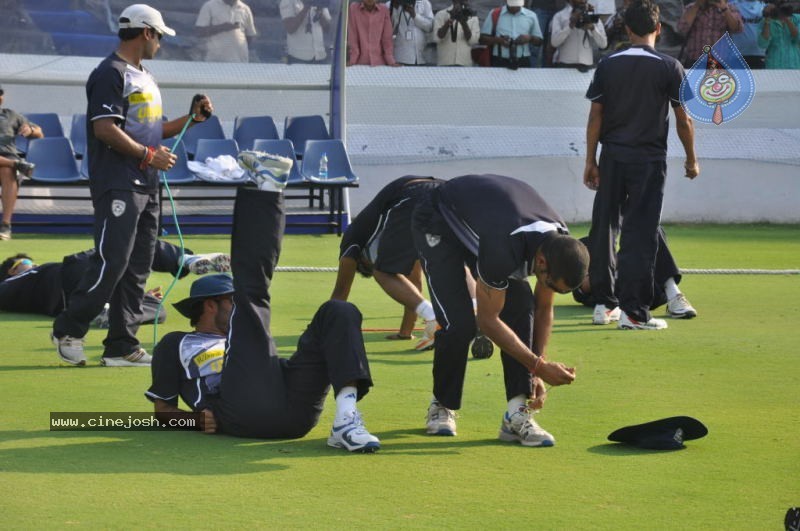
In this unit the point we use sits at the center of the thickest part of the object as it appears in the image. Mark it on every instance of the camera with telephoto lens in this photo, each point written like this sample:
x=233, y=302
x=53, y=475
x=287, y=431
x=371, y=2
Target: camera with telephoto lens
x=465, y=13
x=586, y=17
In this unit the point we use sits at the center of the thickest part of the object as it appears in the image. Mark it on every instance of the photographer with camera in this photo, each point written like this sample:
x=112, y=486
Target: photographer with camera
x=703, y=23
x=305, y=24
x=412, y=22
x=512, y=35
x=779, y=36
x=576, y=31
x=457, y=30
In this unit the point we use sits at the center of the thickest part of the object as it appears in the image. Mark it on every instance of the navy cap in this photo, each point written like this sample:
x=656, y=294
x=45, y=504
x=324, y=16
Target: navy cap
x=204, y=288
x=664, y=434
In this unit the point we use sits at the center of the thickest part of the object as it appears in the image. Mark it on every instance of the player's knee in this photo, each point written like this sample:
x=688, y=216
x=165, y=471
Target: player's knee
x=340, y=310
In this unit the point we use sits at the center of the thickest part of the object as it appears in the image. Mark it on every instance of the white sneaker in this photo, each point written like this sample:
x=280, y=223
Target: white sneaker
x=428, y=336
x=70, y=349
x=628, y=323
x=200, y=264
x=266, y=167
x=353, y=436
x=137, y=358
x=440, y=420
x=679, y=307
x=604, y=316
x=482, y=347
x=522, y=428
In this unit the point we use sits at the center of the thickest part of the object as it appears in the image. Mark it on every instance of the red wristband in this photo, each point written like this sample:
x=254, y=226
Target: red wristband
x=150, y=153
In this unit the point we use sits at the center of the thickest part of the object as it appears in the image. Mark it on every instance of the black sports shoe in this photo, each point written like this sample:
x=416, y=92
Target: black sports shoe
x=24, y=168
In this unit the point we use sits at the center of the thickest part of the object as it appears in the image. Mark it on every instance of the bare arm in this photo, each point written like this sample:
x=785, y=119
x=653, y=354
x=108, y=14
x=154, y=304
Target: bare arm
x=542, y=318
x=344, y=279
x=685, y=127
x=163, y=410
x=490, y=304
x=292, y=24
x=687, y=19
x=591, y=173
x=29, y=130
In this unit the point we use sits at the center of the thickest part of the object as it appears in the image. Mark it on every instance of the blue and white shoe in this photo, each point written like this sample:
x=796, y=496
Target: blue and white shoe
x=520, y=427
x=440, y=420
x=353, y=436
x=200, y=264
x=266, y=168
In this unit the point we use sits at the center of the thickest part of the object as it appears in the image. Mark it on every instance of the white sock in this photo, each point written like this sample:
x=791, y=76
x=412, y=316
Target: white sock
x=671, y=288
x=425, y=311
x=516, y=403
x=345, y=403
x=474, y=305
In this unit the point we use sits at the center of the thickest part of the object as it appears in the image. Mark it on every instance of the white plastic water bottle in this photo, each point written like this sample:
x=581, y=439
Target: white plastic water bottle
x=323, y=166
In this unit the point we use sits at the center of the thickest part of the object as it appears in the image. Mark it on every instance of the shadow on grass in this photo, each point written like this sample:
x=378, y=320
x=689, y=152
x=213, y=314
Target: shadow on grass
x=624, y=450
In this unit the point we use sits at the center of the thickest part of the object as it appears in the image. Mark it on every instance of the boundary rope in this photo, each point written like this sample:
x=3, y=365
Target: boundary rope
x=308, y=269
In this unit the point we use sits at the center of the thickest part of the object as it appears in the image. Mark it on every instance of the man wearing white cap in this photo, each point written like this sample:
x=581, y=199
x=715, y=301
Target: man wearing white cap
x=124, y=135
x=511, y=35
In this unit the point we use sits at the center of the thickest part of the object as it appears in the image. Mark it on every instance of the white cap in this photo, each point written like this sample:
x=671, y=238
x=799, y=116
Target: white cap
x=515, y=3
x=143, y=16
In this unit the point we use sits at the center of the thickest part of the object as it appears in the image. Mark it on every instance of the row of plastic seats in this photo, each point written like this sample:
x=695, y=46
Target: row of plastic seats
x=246, y=130
x=56, y=164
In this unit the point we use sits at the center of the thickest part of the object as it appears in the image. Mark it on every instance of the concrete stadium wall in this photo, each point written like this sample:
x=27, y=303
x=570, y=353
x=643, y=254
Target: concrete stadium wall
x=449, y=121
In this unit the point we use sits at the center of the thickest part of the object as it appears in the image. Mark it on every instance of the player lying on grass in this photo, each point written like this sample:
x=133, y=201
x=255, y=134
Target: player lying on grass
x=228, y=367
x=26, y=287
x=666, y=277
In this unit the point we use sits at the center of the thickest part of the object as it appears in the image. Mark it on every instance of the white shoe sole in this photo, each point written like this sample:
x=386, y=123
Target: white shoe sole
x=513, y=437
x=120, y=362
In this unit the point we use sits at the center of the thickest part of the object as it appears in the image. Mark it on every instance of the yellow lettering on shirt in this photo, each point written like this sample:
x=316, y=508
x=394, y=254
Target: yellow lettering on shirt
x=149, y=113
x=201, y=359
x=140, y=97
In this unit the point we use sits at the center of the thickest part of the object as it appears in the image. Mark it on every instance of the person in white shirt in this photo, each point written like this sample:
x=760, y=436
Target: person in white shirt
x=576, y=30
x=456, y=30
x=228, y=28
x=305, y=24
x=412, y=23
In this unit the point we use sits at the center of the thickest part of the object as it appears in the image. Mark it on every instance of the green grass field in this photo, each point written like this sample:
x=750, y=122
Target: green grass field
x=734, y=368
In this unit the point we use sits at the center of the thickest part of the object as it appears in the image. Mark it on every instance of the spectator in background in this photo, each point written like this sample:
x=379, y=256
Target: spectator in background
x=11, y=164
x=616, y=34
x=703, y=23
x=747, y=41
x=227, y=26
x=369, y=35
x=305, y=24
x=457, y=30
x=576, y=31
x=779, y=36
x=516, y=30
x=412, y=23
x=545, y=10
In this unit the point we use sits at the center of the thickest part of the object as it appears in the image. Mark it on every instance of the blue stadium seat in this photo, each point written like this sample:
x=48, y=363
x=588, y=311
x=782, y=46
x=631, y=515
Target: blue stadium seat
x=284, y=148
x=214, y=147
x=298, y=129
x=48, y=121
x=55, y=162
x=211, y=128
x=71, y=21
x=247, y=129
x=84, y=44
x=180, y=173
x=77, y=135
x=340, y=172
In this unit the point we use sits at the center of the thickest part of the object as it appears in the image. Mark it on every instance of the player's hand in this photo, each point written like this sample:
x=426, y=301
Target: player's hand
x=202, y=108
x=692, y=169
x=26, y=130
x=156, y=292
x=539, y=395
x=591, y=176
x=207, y=422
x=555, y=373
x=163, y=159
